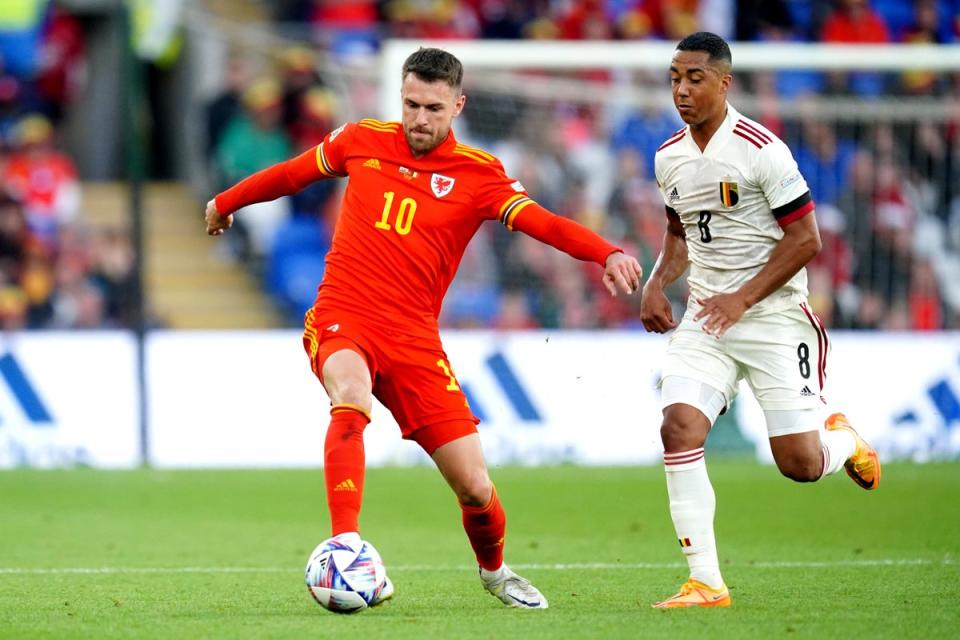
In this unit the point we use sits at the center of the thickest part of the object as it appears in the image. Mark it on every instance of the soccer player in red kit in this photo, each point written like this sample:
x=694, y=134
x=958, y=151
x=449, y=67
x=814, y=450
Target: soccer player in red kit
x=414, y=199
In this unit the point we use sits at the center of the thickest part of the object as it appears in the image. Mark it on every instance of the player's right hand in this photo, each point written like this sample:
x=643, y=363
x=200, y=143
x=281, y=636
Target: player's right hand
x=656, y=313
x=622, y=271
x=216, y=223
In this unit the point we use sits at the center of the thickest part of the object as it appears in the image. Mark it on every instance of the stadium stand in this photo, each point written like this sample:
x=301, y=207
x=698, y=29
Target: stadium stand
x=884, y=184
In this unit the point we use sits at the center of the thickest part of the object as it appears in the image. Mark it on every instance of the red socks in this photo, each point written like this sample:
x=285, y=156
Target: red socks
x=343, y=466
x=343, y=470
x=485, y=526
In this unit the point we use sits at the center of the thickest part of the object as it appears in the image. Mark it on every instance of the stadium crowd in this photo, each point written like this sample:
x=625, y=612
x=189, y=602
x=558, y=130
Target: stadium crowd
x=887, y=203
x=55, y=272
x=885, y=190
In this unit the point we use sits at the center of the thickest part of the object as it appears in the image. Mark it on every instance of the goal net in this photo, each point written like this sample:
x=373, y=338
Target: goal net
x=873, y=128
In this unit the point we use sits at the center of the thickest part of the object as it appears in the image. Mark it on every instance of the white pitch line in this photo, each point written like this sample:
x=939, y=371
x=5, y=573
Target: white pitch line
x=906, y=562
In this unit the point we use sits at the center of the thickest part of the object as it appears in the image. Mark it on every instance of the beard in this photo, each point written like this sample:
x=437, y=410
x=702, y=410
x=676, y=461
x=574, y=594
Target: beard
x=421, y=144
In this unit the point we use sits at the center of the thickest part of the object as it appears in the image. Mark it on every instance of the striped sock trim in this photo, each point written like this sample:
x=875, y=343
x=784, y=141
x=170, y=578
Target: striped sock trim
x=337, y=408
x=683, y=457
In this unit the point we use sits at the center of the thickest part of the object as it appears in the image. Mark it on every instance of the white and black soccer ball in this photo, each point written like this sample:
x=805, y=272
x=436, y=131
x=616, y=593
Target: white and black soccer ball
x=345, y=574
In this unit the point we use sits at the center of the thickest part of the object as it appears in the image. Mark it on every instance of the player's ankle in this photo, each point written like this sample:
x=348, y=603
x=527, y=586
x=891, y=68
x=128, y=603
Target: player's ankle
x=487, y=574
x=708, y=576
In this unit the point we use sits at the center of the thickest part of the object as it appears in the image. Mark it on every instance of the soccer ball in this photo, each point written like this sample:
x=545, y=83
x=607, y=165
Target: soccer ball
x=345, y=574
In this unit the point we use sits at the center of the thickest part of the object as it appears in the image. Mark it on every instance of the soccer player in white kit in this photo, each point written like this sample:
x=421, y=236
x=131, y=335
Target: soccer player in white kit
x=741, y=216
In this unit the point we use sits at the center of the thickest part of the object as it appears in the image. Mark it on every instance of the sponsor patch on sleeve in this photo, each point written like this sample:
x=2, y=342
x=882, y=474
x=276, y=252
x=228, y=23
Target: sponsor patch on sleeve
x=786, y=182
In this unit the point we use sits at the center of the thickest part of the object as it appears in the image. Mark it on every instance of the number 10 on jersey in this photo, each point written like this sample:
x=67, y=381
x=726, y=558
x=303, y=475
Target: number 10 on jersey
x=403, y=221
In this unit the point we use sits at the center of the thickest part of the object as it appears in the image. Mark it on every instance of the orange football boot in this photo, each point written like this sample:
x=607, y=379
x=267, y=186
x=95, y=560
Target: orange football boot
x=694, y=593
x=863, y=466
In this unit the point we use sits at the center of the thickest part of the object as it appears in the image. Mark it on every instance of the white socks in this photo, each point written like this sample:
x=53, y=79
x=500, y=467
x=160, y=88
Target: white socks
x=692, y=505
x=838, y=446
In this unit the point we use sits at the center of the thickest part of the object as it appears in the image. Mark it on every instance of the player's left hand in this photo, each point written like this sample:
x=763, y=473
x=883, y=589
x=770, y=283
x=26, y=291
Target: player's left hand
x=623, y=271
x=721, y=312
x=216, y=223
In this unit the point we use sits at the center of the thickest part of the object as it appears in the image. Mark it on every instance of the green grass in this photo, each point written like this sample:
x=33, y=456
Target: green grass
x=268, y=521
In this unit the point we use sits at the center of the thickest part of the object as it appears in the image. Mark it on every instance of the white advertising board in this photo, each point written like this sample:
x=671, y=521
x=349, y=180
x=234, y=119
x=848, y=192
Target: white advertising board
x=249, y=399
x=68, y=399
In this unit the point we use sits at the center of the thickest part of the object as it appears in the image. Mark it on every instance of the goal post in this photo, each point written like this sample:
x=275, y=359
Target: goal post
x=655, y=56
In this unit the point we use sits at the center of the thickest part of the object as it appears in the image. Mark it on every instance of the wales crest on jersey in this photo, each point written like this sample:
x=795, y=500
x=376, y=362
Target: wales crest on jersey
x=441, y=185
x=729, y=195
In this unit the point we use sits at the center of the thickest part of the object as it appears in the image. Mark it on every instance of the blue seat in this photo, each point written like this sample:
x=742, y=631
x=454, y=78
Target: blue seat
x=297, y=278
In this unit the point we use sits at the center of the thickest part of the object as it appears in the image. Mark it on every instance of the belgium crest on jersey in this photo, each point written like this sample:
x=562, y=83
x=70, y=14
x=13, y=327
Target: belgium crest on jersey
x=729, y=195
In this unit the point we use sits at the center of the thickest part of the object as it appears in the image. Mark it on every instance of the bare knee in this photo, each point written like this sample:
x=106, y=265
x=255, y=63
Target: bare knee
x=799, y=456
x=354, y=391
x=801, y=468
x=681, y=433
x=473, y=488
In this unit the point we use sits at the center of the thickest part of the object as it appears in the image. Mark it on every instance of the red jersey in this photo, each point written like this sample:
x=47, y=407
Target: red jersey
x=405, y=222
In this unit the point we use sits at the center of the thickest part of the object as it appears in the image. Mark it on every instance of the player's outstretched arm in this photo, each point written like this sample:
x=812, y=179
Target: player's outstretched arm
x=281, y=179
x=620, y=270
x=798, y=246
x=656, y=313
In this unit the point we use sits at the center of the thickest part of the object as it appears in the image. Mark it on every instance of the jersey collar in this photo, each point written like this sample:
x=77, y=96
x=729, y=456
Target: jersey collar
x=723, y=133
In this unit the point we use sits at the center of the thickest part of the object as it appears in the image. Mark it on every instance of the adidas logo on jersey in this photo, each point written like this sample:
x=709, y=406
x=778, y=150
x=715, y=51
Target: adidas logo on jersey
x=373, y=163
x=674, y=195
x=806, y=391
x=346, y=485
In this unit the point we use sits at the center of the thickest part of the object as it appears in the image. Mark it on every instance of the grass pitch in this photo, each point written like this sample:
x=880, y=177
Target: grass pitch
x=215, y=554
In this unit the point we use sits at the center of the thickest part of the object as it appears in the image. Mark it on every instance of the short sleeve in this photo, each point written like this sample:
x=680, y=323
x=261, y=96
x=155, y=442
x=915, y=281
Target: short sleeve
x=778, y=176
x=658, y=174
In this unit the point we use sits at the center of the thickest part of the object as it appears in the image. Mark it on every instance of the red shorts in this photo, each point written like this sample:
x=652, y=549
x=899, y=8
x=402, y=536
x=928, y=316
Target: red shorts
x=413, y=380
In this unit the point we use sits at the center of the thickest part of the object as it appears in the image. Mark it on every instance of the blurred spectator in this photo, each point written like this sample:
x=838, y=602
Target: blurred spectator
x=644, y=131
x=854, y=22
x=506, y=19
x=884, y=269
x=585, y=20
x=315, y=119
x=830, y=273
x=310, y=111
x=112, y=272
x=823, y=160
x=925, y=304
x=514, y=312
x=754, y=15
x=21, y=32
x=346, y=28
x=253, y=141
x=43, y=179
x=221, y=111
x=924, y=29
x=437, y=19
x=298, y=76
x=61, y=68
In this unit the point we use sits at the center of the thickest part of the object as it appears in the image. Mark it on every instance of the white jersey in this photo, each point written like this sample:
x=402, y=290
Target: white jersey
x=733, y=199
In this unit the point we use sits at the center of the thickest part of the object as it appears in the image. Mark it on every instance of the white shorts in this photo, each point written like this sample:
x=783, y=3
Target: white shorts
x=711, y=403
x=782, y=356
